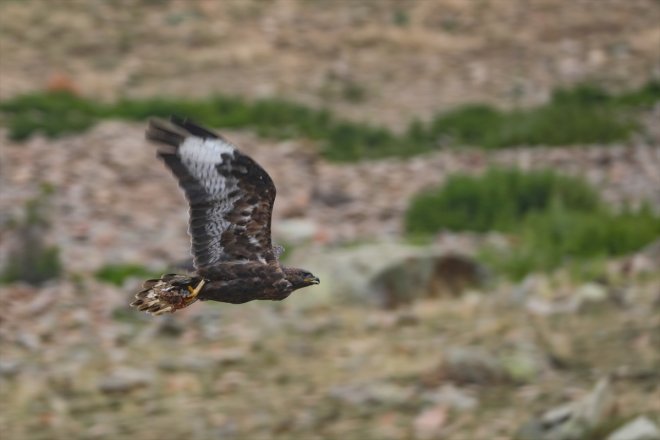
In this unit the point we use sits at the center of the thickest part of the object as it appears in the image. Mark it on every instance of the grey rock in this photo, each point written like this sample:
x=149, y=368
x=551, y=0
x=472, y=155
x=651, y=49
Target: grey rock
x=432, y=274
x=185, y=364
x=29, y=340
x=294, y=231
x=124, y=380
x=472, y=365
x=9, y=368
x=451, y=397
x=373, y=393
x=646, y=261
x=231, y=356
x=385, y=274
x=429, y=424
x=521, y=366
x=171, y=327
x=572, y=421
x=639, y=429
x=591, y=292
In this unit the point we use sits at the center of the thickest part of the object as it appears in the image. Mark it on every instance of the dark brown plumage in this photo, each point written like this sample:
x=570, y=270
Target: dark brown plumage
x=231, y=201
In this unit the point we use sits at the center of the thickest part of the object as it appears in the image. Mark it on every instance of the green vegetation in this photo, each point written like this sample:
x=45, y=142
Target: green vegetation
x=559, y=237
x=583, y=114
x=118, y=273
x=556, y=219
x=31, y=260
x=498, y=200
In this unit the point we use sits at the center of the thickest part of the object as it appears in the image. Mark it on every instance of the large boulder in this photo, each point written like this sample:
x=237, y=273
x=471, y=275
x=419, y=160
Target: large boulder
x=386, y=274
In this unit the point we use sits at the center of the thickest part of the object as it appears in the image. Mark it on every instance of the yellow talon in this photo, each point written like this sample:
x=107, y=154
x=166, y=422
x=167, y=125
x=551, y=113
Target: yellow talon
x=194, y=292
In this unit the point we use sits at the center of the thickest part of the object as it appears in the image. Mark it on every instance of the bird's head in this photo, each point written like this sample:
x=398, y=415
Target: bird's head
x=300, y=278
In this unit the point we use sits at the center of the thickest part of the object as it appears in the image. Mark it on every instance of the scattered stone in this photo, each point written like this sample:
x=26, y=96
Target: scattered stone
x=647, y=261
x=9, y=368
x=572, y=421
x=451, y=397
x=590, y=294
x=185, y=364
x=375, y=393
x=295, y=231
x=230, y=356
x=169, y=326
x=521, y=366
x=124, y=380
x=429, y=423
x=472, y=365
x=29, y=341
x=545, y=307
x=639, y=429
x=406, y=318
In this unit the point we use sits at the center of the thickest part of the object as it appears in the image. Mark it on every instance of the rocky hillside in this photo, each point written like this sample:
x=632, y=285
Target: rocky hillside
x=558, y=356
x=385, y=61
x=114, y=202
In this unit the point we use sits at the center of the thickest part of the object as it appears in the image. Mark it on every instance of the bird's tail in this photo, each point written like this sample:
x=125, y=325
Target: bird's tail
x=166, y=295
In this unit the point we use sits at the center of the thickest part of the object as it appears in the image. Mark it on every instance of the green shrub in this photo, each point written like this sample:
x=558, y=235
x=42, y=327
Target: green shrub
x=34, y=265
x=118, y=273
x=498, y=200
x=561, y=237
x=557, y=220
x=583, y=114
x=31, y=260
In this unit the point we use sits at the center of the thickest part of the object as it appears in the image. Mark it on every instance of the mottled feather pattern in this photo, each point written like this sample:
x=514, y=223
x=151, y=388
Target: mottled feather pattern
x=230, y=196
x=165, y=295
x=231, y=201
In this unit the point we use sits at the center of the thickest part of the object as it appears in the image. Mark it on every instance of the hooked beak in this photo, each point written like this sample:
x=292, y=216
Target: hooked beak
x=312, y=280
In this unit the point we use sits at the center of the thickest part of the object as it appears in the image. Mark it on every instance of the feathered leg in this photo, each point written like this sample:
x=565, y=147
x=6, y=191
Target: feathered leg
x=168, y=294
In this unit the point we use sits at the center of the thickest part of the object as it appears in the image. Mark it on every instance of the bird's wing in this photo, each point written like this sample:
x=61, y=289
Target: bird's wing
x=231, y=197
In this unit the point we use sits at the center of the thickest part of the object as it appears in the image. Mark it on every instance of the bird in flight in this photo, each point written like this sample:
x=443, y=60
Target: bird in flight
x=231, y=203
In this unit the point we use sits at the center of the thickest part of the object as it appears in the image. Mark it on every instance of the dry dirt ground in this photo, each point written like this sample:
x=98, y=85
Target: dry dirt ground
x=77, y=363
x=87, y=367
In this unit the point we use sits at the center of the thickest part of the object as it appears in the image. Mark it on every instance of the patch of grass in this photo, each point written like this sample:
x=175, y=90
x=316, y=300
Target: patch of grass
x=583, y=114
x=118, y=273
x=401, y=18
x=31, y=260
x=354, y=92
x=557, y=220
x=499, y=200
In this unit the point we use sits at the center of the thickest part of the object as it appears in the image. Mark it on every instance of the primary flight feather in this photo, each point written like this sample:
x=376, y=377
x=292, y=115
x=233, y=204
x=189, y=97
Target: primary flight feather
x=231, y=203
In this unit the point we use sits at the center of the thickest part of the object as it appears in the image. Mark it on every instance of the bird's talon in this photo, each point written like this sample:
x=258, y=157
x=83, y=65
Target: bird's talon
x=194, y=292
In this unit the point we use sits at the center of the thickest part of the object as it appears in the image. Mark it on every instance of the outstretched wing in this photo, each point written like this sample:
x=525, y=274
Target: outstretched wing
x=231, y=197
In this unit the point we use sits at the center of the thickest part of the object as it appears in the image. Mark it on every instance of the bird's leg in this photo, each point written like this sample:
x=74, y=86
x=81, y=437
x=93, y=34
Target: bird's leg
x=194, y=292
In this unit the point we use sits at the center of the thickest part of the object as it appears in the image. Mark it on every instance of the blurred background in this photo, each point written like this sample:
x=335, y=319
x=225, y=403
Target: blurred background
x=476, y=183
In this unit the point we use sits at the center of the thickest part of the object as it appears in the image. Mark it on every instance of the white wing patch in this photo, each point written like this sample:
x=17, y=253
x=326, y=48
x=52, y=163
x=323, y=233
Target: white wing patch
x=201, y=157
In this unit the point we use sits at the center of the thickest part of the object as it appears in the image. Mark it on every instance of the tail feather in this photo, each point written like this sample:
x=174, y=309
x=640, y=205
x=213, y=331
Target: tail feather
x=165, y=295
x=148, y=284
x=192, y=128
x=175, y=130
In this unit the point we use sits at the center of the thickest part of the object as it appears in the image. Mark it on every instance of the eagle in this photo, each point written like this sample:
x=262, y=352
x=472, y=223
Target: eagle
x=231, y=199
